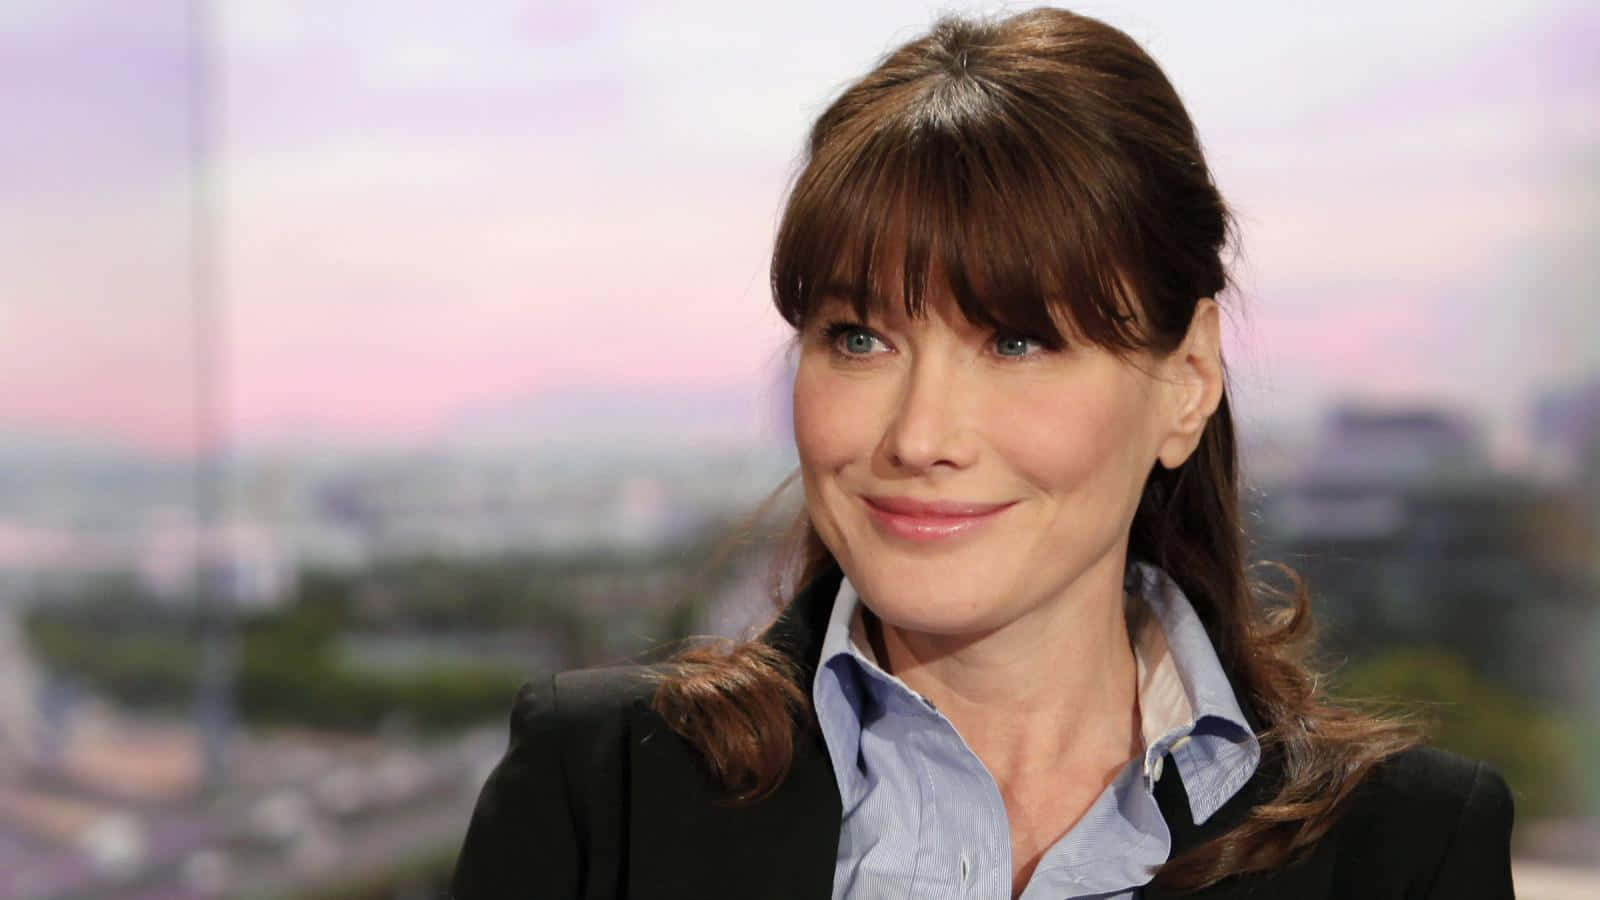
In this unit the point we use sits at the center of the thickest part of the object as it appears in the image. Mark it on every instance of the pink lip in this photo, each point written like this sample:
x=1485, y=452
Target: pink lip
x=930, y=520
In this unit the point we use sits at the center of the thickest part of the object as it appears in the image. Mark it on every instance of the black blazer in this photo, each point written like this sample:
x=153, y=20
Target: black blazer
x=597, y=798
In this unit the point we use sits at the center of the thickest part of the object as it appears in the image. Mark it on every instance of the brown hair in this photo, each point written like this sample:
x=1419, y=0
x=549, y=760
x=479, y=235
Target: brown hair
x=1043, y=166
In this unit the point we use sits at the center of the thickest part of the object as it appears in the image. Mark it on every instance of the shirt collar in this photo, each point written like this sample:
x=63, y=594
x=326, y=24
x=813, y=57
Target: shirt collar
x=1187, y=706
x=1186, y=702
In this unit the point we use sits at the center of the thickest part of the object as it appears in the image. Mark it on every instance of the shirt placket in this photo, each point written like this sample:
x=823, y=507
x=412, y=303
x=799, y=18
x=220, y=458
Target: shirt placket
x=966, y=852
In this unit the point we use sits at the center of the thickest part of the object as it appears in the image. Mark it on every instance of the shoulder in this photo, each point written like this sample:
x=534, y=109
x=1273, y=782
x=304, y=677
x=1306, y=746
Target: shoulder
x=1443, y=818
x=581, y=703
x=1428, y=785
x=575, y=724
x=555, y=797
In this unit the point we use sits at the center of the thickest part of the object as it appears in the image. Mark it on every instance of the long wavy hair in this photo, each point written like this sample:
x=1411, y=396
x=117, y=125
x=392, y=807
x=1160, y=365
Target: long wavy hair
x=1044, y=167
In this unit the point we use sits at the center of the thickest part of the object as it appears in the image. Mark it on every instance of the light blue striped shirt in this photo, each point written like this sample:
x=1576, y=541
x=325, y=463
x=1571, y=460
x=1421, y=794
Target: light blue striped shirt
x=923, y=817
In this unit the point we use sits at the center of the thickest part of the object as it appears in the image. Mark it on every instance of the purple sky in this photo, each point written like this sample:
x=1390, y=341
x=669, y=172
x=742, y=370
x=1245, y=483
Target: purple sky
x=427, y=214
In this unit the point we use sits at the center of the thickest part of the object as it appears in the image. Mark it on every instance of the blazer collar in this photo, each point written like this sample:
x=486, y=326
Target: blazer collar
x=799, y=629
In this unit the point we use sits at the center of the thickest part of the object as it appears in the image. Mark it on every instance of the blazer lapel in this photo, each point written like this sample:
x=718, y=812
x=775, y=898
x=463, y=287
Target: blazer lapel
x=1303, y=881
x=684, y=842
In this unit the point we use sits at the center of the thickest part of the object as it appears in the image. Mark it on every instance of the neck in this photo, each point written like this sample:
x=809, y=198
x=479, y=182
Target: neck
x=1052, y=691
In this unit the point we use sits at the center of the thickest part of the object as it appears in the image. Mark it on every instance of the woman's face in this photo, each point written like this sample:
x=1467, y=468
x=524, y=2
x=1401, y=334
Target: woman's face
x=964, y=478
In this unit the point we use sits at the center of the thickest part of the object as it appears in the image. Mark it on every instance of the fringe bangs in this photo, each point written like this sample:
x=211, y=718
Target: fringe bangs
x=951, y=192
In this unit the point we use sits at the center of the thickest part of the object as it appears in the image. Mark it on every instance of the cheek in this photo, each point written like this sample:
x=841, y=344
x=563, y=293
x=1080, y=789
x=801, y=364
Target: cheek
x=833, y=419
x=1085, y=439
x=828, y=420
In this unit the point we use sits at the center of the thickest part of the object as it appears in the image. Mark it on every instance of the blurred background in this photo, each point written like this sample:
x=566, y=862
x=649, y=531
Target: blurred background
x=360, y=360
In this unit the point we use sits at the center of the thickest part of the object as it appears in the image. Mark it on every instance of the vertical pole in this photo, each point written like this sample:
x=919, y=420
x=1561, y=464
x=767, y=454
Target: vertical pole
x=213, y=605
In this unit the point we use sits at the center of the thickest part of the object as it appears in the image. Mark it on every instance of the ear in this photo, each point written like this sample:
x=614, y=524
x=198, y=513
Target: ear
x=1194, y=382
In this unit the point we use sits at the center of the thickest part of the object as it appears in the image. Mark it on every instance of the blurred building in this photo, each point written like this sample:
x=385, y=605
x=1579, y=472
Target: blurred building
x=1564, y=426
x=1409, y=538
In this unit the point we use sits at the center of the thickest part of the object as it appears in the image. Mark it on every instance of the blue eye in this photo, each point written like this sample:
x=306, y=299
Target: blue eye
x=1014, y=345
x=851, y=339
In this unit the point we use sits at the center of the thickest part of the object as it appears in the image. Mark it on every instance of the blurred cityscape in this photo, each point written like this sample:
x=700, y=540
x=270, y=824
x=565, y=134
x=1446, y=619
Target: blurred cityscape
x=303, y=698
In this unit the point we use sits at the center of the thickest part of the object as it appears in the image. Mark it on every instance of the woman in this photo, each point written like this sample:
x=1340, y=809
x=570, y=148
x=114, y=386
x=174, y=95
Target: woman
x=1024, y=659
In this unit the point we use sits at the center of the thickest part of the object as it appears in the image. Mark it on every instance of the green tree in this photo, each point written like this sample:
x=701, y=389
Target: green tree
x=1535, y=748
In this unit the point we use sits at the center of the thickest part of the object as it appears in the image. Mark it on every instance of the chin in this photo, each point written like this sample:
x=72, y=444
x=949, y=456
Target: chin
x=931, y=596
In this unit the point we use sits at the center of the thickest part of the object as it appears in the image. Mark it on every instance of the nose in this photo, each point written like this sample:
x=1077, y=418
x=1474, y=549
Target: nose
x=928, y=428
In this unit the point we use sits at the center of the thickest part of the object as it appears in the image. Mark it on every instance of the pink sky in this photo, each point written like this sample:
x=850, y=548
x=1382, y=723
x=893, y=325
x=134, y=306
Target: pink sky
x=420, y=216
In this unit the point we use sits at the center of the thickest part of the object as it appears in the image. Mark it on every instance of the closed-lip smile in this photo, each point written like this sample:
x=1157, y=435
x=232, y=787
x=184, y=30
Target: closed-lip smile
x=929, y=520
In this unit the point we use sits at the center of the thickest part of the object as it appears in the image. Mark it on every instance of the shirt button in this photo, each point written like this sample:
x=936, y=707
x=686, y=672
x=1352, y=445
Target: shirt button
x=1180, y=742
x=966, y=868
x=1155, y=768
